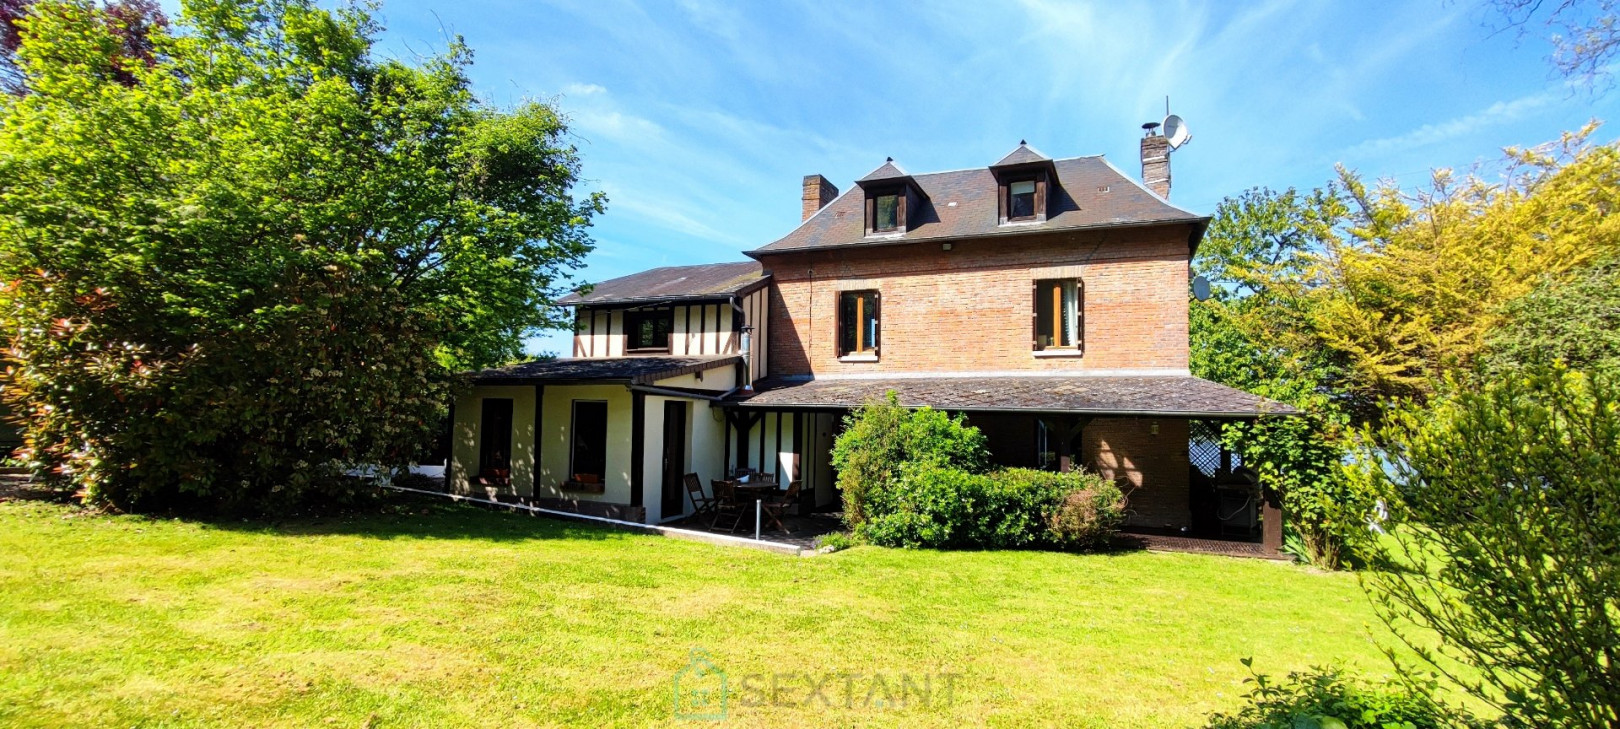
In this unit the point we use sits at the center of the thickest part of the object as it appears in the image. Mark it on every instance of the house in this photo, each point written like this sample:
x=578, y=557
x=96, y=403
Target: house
x=1047, y=299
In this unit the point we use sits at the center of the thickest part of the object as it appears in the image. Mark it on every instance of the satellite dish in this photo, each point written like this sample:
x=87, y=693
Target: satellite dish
x=1175, y=130
x=1200, y=286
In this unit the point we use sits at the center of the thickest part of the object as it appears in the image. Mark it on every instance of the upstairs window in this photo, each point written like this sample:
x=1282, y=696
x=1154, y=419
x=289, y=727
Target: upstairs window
x=886, y=213
x=1057, y=315
x=1022, y=197
x=1021, y=200
x=647, y=330
x=858, y=324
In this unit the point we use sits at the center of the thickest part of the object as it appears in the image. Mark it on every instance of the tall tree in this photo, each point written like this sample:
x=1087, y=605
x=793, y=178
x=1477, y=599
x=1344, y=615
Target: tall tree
x=130, y=21
x=1585, y=34
x=1254, y=334
x=1418, y=282
x=261, y=261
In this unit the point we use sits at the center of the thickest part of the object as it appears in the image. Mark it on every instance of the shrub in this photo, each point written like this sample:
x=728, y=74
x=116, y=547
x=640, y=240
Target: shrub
x=881, y=436
x=929, y=506
x=835, y=542
x=1508, y=547
x=1325, y=699
x=1088, y=518
x=932, y=506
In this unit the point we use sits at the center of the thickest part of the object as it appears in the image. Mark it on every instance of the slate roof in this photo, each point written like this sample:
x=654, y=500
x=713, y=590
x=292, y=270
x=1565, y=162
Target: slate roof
x=888, y=171
x=1077, y=202
x=630, y=370
x=673, y=283
x=1170, y=396
x=1023, y=155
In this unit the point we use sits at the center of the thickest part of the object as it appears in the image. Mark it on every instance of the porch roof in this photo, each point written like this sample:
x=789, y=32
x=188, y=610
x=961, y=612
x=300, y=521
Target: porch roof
x=1154, y=395
x=630, y=370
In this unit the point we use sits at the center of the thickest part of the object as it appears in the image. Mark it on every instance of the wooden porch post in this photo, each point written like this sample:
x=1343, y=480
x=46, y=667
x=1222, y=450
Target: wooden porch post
x=1067, y=429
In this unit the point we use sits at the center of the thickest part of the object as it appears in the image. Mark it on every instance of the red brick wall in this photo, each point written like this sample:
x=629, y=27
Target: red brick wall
x=1155, y=466
x=970, y=308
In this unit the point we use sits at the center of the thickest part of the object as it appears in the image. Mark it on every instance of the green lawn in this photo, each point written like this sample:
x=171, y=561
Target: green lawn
x=443, y=615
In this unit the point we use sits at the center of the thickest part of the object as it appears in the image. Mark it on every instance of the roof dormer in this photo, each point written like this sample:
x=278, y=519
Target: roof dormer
x=892, y=200
x=1025, y=179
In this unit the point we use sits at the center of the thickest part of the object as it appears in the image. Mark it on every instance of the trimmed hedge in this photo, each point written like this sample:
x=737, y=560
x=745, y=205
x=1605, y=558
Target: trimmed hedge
x=938, y=507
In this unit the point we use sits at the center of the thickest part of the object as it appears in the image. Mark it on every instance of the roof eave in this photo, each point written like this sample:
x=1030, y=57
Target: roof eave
x=1199, y=222
x=684, y=298
x=1221, y=414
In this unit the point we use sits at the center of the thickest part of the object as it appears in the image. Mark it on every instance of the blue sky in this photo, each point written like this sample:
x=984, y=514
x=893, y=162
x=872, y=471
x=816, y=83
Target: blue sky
x=700, y=117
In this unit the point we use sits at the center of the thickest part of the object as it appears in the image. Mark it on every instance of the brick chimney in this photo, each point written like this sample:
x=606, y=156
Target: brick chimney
x=817, y=193
x=1155, y=161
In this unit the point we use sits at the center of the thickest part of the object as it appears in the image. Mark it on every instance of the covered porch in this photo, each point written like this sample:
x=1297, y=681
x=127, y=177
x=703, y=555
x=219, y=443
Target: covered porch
x=1150, y=433
x=606, y=437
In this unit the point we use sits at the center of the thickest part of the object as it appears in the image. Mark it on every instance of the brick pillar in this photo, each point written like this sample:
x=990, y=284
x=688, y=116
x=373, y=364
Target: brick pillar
x=817, y=193
x=1155, y=164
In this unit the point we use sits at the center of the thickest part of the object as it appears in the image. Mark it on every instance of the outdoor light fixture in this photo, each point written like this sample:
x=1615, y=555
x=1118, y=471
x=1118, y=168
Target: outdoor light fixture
x=1154, y=428
x=944, y=246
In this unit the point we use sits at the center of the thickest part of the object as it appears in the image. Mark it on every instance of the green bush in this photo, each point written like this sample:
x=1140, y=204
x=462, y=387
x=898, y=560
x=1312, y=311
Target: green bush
x=1087, y=518
x=1507, y=499
x=881, y=436
x=933, y=506
x=1325, y=699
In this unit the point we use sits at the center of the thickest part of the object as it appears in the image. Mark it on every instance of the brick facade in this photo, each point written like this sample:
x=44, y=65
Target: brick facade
x=1150, y=466
x=971, y=308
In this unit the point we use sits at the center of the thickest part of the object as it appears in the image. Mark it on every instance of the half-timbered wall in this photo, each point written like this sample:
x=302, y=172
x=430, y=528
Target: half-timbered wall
x=699, y=329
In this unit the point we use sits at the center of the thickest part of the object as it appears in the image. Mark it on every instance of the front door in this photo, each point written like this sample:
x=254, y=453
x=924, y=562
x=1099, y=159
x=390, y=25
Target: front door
x=674, y=457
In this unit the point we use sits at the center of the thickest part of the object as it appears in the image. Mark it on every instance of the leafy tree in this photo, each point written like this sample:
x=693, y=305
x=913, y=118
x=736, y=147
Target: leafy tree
x=260, y=262
x=1574, y=319
x=1509, y=496
x=1414, y=289
x=130, y=21
x=1258, y=254
x=1585, y=34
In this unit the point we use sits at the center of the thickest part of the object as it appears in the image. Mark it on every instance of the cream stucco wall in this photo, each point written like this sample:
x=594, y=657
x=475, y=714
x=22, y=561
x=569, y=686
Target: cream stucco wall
x=463, y=466
x=556, y=420
x=705, y=429
x=542, y=447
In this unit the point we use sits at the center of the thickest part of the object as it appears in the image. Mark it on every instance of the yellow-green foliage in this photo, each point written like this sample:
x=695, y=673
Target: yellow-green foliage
x=1421, y=280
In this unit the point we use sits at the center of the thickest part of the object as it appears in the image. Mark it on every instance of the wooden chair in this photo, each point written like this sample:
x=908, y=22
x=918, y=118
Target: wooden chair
x=776, y=507
x=701, y=503
x=725, y=505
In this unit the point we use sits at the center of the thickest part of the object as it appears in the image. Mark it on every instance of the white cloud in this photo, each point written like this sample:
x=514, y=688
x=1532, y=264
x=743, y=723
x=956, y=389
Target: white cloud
x=1500, y=112
x=579, y=89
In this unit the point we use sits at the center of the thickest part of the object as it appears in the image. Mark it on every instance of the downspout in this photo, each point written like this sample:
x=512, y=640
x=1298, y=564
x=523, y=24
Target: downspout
x=745, y=346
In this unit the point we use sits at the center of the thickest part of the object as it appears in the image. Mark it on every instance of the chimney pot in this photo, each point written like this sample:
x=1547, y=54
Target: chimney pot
x=817, y=193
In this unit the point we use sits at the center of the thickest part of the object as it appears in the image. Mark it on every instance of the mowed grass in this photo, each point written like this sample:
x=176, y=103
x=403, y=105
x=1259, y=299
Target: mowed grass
x=455, y=616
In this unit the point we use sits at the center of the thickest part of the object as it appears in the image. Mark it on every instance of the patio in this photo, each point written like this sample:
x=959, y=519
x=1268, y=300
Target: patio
x=802, y=531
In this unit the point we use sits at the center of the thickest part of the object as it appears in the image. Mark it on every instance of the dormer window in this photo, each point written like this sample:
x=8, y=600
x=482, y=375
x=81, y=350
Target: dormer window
x=1021, y=200
x=886, y=213
x=1025, y=179
x=892, y=199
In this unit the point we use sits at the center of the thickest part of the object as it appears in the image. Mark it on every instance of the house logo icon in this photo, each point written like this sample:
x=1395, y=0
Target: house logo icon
x=700, y=689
